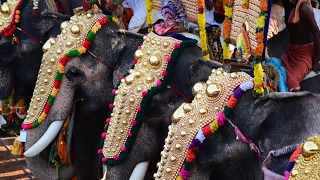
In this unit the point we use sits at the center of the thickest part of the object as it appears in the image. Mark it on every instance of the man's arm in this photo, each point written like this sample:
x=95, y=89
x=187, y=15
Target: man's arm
x=307, y=17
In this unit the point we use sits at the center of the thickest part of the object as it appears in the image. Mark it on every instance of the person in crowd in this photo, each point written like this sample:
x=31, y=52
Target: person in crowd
x=302, y=54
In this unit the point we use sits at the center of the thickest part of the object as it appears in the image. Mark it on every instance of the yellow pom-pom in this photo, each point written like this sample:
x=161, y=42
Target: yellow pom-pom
x=214, y=126
x=54, y=92
x=60, y=68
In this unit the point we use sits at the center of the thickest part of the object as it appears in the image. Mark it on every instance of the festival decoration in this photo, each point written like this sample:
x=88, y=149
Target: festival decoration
x=149, y=6
x=75, y=39
x=304, y=162
x=150, y=74
x=228, y=9
x=203, y=32
x=210, y=98
x=259, y=85
x=10, y=16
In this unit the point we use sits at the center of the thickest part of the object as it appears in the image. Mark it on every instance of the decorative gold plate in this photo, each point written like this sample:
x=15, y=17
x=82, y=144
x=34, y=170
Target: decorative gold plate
x=210, y=98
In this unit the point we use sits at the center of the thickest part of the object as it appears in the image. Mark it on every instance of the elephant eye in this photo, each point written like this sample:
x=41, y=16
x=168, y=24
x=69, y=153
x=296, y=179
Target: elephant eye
x=6, y=48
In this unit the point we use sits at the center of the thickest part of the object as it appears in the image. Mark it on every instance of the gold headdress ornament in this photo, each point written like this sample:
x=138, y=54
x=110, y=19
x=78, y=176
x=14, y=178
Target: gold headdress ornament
x=306, y=165
x=10, y=16
x=152, y=59
x=74, y=40
x=210, y=98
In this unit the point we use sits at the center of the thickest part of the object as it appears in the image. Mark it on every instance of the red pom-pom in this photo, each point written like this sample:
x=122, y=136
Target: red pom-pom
x=6, y=34
x=206, y=131
x=86, y=44
x=64, y=60
x=103, y=21
x=22, y=110
x=47, y=108
x=13, y=110
x=9, y=117
x=56, y=84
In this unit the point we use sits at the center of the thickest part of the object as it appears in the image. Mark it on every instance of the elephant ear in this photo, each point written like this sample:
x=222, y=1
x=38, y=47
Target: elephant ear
x=48, y=23
x=283, y=104
x=204, y=66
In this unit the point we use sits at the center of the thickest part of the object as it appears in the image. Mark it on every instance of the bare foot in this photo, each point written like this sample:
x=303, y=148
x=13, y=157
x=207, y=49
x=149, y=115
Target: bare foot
x=296, y=89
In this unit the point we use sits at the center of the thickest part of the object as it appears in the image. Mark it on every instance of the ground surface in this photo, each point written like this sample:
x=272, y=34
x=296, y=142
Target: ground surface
x=12, y=167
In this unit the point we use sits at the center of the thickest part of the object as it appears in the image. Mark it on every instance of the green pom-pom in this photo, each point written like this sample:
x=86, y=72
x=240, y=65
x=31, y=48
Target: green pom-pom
x=58, y=76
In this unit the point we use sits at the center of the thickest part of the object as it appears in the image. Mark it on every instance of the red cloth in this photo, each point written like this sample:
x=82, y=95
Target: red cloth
x=297, y=59
x=294, y=15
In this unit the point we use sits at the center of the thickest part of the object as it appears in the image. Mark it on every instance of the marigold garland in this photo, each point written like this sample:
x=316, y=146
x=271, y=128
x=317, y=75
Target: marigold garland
x=208, y=130
x=149, y=5
x=245, y=4
x=228, y=8
x=61, y=67
x=258, y=70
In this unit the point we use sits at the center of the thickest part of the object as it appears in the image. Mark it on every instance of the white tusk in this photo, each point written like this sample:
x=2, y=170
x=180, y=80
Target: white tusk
x=45, y=140
x=139, y=171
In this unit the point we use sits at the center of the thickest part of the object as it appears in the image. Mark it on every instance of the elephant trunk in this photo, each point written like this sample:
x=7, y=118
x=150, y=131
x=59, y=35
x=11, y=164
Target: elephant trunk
x=39, y=138
x=6, y=79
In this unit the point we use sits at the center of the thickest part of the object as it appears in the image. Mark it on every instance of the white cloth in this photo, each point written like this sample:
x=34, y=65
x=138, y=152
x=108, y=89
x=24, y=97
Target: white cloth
x=316, y=13
x=2, y=121
x=139, y=16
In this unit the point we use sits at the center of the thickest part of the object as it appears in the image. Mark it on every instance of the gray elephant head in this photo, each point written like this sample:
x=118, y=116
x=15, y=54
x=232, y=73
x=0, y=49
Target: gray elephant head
x=21, y=52
x=272, y=122
x=155, y=115
x=89, y=77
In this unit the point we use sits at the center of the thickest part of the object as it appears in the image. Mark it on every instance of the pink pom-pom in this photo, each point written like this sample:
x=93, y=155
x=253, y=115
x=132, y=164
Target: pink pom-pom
x=134, y=122
x=103, y=135
x=177, y=45
x=116, y=157
x=139, y=47
x=111, y=106
x=104, y=160
x=108, y=120
x=159, y=83
x=121, y=77
x=184, y=173
x=139, y=108
x=129, y=134
x=113, y=91
x=100, y=151
x=144, y=93
x=23, y=126
x=164, y=73
x=134, y=61
x=123, y=149
x=168, y=59
x=287, y=175
x=221, y=118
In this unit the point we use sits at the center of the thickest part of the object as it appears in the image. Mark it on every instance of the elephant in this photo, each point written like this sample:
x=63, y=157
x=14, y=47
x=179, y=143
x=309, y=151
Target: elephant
x=21, y=53
x=20, y=60
x=265, y=122
x=92, y=77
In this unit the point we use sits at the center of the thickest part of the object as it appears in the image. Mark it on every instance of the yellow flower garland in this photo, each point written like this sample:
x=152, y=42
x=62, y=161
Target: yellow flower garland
x=259, y=85
x=202, y=26
x=149, y=5
x=228, y=12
